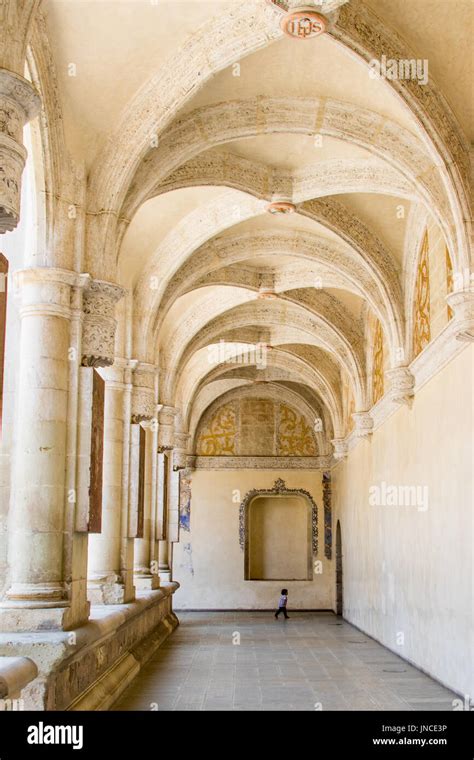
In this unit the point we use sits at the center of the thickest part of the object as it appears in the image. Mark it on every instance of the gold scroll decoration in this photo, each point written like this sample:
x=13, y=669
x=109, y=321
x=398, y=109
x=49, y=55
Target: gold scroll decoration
x=377, y=365
x=217, y=438
x=295, y=437
x=421, y=322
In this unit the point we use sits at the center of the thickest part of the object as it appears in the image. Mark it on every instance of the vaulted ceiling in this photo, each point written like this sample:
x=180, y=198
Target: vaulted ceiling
x=254, y=117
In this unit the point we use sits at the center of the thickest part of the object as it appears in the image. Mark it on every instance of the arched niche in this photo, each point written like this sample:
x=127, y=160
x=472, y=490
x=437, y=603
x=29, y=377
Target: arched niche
x=271, y=551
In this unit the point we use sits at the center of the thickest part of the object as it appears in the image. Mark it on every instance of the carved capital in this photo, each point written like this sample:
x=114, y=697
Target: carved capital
x=99, y=325
x=143, y=394
x=180, y=452
x=363, y=424
x=340, y=448
x=401, y=385
x=462, y=304
x=166, y=435
x=19, y=103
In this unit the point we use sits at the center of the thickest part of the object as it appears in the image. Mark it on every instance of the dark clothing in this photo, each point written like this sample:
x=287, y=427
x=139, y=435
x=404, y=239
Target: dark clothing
x=281, y=609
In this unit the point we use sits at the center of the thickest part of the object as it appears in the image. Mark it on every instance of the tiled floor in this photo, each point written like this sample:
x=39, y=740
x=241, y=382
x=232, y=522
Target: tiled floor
x=312, y=661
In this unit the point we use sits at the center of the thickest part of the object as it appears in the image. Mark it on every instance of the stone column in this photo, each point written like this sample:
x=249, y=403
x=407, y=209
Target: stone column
x=173, y=506
x=179, y=463
x=163, y=562
x=166, y=440
x=98, y=340
x=105, y=582
x=144, y=411
x=145, y=570
x=19, y=103
x=38, y=595
x=154, y=498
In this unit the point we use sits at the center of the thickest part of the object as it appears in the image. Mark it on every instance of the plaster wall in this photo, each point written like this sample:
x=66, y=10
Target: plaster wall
x=209, y=563
x=408, y=570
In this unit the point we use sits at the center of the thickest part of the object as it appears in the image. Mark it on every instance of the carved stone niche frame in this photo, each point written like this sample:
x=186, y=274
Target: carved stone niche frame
x=279, y=489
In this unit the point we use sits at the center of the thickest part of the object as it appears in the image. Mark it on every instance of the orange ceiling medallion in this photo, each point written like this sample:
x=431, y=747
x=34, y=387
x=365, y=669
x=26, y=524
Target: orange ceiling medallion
x=281, y=207
x=303, y=24
x=266, y=294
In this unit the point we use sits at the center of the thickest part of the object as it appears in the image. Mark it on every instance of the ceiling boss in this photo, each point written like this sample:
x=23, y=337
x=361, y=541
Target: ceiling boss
x=303, y=23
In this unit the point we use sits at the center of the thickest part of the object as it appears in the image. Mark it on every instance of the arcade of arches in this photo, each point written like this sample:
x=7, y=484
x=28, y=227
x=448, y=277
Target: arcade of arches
x=237, y=314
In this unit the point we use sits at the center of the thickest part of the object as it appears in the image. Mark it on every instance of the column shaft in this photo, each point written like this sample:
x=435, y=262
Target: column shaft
x=38, y=595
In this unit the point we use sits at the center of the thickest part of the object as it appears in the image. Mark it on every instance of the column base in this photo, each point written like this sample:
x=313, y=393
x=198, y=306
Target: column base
x=164, y=574
x=148, y=582
x=105, y=589
x=23, y=616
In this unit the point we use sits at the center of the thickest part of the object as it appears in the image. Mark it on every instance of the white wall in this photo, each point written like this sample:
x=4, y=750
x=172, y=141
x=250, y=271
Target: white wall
x=408, y=571
x=208, y=561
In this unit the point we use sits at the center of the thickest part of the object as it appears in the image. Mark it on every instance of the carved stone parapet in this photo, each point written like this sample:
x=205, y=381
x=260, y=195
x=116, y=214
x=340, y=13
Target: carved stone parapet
x=143, y=394
x=180, y=454
x=166, y=434
x=401, y=384
x=340, y=448
x=99, y=325
x=363, y=424
x=462, y=304
x=19, y=103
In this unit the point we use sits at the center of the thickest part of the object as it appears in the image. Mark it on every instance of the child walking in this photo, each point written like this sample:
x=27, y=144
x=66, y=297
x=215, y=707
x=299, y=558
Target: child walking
x=282, y=604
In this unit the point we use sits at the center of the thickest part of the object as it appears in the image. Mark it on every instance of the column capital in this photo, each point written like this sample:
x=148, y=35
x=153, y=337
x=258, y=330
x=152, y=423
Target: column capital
x=180, y=451
x=39, y=275
x=99, y=325
x=363, y=424
x=166, y=422
x=19, y=103
x=401, y=385
x=462, y=304
x=143, y=393
x=340, y=448
x=45, y=291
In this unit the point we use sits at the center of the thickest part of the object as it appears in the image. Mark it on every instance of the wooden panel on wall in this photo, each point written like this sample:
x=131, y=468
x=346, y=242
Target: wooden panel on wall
x=166, y=475
x=97, y=454
x=3, y=324
x=141, y=483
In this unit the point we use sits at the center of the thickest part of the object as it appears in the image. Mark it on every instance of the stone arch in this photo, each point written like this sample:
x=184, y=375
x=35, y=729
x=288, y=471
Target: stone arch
x=359, y=276
x=274, y=390
x=334, y=333
x=235, y=120
x=360, y=249
x=262, y=392
x=329, y=177
x=247, y=29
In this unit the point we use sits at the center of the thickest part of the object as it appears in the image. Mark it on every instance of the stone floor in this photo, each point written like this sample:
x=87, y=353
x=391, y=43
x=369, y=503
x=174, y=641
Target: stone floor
x=312, y=661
